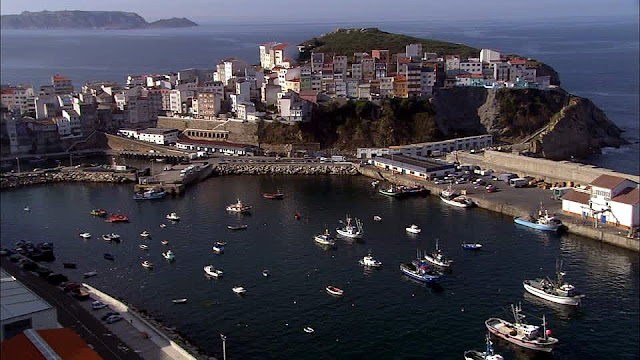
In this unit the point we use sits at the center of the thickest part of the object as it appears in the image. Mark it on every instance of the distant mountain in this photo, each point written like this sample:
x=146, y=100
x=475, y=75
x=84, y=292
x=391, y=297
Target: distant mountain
x=74, y=19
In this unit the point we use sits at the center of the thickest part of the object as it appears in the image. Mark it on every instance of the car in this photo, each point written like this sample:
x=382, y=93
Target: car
x=479, y=182
x=438, y=182
x=461, y=181
x=109, y=314
x=97, y=305
x=113, y=318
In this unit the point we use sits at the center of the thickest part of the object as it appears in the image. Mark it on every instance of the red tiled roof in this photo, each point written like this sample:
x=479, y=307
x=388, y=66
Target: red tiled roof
x=607, y=181
x=400, y=78
x=65, y=342
x=7, y=91
x=629, y=196
x=517, y=61
x=577, y=196
x=404, y=61
x=280, y=46
x=57, y=77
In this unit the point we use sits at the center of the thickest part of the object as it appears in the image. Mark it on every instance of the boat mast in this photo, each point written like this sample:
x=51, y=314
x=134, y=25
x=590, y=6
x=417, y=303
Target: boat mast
x=544, y=327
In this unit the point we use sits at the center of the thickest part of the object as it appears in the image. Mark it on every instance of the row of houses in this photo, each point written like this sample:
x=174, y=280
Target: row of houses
x=427, y=149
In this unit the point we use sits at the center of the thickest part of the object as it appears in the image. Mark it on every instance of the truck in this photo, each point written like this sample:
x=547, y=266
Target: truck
x=506, y=177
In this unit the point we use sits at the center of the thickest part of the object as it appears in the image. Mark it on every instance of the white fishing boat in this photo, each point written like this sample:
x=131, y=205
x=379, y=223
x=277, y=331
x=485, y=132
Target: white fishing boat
x=450, y=197
x=370, y=261
x=325, y=238
x=522, y=334
x=163, y=225
x=107, y=237
x=173, y=217
x=308, y=330
x=211, y=271
x=413, y=229
x=436, y=258
x=147, y=264
x=350, y=230
x=85, y=235
x=26, y=208
x=143, y=247
x=169, y=255
x=239, y=290
x=179, y=301
x=145, y=234
x=488, y=354
x=266, y=273
x=115, y=237
x=377, y=218
x=556, y=291
x=89, y=274
x=238, y=207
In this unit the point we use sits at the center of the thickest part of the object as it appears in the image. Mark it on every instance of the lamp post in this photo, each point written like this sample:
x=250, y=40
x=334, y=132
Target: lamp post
x=70, y=160
x=224, y=346
x=18, y=162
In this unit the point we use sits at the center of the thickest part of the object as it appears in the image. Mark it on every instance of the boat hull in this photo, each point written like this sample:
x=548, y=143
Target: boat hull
x=423, y=278
x=455, y=203
x=349, y=234
x=532, y=225
x=565, y=300
x=537, y=346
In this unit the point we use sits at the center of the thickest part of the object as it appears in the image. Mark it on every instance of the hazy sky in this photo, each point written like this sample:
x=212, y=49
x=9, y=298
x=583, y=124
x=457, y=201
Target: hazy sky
x=338, y=10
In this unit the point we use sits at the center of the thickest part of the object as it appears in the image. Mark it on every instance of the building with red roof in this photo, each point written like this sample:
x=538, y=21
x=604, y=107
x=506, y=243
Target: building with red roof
x=47, y=344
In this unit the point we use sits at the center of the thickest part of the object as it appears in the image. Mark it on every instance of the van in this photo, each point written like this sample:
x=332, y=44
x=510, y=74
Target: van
x=518, y=182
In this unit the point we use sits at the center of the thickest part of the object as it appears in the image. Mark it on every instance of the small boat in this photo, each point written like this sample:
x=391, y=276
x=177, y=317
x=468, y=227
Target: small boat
x=169, y=255
x=413, y=229
x=555, y=291
x=325, y=238
x=275, y=196
x=85, y=235
x=98, y=212
x=471, y=246
x=375, y=183
x=392, y=191
x=211, y=271
x=218, y=249
x=143, y=247
x=544, y=221
x=334, y=290
x=239, y=290
x=522, y=334
x=163, y=225
x=147, y=264
x=26, y=208
x=179, y=301
x=115, y=237
x=69, y=265
x=237, y=227
x=107, y=237
x=173, y=217
x=164, y=242
x=350, y=230
x=297, y=216
x=221, y=243
x=116, y=218
x=89, y=274
x=308, y=330
x=238, y=208
x=420, y=271
x=149, y=195
x=145, y=233
x=377, y=218
x=488, y=354
x=265, y=273
x=452, y=198
x=370, y=261
x=436, y=258
x=109, y=256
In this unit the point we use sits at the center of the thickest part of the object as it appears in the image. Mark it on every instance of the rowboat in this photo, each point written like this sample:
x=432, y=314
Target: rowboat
x=239, y=290
x=334, y=290
x=179, y=301
x=237, y=227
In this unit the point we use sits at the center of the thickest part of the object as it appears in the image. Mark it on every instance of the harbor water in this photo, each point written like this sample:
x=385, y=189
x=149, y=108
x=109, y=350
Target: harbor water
x=382, y=312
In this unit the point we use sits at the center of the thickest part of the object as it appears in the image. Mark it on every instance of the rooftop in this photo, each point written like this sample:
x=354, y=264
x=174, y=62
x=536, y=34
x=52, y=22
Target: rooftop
x=212, y=143
x=157, y=131
x=63, y=342
x=577, y=196
x=629, y=196
x=607, y=181
x=422, y=165
x=16, y=299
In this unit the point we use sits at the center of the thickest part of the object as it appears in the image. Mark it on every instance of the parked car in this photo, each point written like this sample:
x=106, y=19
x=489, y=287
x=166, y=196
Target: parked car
x=97, y=305
x=461, y=181
x=491, y=188
x=113, y=318
x=480, y=182
x=109, y=314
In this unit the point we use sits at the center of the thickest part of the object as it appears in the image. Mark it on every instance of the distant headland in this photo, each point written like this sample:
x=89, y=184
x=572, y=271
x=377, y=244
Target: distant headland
x=75, y=19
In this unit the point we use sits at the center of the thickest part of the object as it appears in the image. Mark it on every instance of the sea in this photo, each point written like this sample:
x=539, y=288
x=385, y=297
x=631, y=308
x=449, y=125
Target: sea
x=596, y=57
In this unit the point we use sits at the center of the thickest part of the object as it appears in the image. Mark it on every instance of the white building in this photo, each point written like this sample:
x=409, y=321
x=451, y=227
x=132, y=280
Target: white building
x=488, y=55
x=158, y=136
x=435, y=148
x=414, y=50
x=421, y=168
x=471, y=67
x=213, y=147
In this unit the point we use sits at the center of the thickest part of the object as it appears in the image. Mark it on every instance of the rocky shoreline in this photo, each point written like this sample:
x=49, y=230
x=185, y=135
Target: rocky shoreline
x=285, y=169
x=26, y=179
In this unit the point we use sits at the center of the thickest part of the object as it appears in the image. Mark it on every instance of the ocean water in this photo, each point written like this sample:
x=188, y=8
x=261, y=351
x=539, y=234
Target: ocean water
x=596, y=58
x=382, y=315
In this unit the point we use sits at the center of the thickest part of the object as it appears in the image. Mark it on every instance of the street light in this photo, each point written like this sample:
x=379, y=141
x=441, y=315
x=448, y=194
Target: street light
x=224, y=346
x=18, y=162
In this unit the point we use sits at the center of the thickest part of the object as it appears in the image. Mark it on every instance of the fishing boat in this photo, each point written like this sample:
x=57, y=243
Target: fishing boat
x=377, y=218
x=145, y=234
x=238, y=208
x=116, y=218
x=115, y=237
x=98, y=212
x=239, y=290
x=544, y=221
x=163, y=225
x=325, y=238
x=108, y=256
x=147, y=264
x=173, y=217
x=413, y=229
x=522, y=334
x=556, y=291
x=169, y=255
x=297, y=216
x=274, y=196
x=89, y=274
x=488, y=354
x=218, y=249
x=85, y=235
x=369, y=261
x=334, y=290
x=26, y=208
x=179, y=301
x=452, y=198
x=350, y=230
x=221, y=243
x=265, y=273
x=149, y=195
x=420, y=271
x=237, y=227
x=308, y=330
x=143, y=247
x=436, y=258
x=392, y=191
x=471, y=246
x=107, y=237
x=164, y=242
x=211, y=271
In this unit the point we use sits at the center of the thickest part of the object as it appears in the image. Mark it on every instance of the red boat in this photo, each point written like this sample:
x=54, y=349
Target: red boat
x=334, y=290
x=117, y=218
x=297, y=216
x=276, y=196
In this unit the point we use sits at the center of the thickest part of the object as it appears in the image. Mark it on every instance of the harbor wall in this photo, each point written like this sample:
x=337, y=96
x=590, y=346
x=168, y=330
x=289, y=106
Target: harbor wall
x=548, y=170
x=33, y=178
x=285, y=169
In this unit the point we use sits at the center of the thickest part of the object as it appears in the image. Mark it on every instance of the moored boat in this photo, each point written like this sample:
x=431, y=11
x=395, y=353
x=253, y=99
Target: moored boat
x=211, y=271
x=308, y=330
x=143, y=247
x=450, y=197
x=115, y=218
x=98, y=212
x=169, y=255
x=239, y=290
x=107, y=237
x=85, y=235
x=266, y=273
x=145, y=234
x=556, y=291
x=393, y=191
x=218, y=249
x=350, y=230
x=369, y=261
x=413, y=229
x=149, y=195
x=522, y=334
x=237, y=227
x=238, y=208
x=377, y=218
x=89, y=274
x=279, y=195
x=26, y=208
x=488, y=354
x=164, y=242
x=147, y=264
x=179, y=301
x=420, y=271
x=173, y=217
x=325, y=238
x=437, y=258
x=471, y=246
x=334, y=290
x=544, y=221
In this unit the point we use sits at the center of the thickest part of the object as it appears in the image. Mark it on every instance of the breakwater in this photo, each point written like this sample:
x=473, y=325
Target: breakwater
x=285, y=169
x=46, y=177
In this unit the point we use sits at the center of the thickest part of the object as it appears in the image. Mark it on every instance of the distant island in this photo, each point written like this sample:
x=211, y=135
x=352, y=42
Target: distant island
x=75, y=19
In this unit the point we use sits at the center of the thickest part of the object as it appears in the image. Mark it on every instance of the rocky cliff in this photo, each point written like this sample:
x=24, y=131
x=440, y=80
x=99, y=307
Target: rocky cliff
x=111, y=20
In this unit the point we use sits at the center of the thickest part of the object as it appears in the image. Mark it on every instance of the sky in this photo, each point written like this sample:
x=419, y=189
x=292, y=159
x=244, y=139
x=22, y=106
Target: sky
x=210, y=11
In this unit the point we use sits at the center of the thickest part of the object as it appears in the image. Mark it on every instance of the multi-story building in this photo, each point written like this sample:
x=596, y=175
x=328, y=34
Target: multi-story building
x=19, y=98
x=470, y=67
x=516, y=69
x=427, y=81
x=368, y=68
x=352, y=87
x=61, y=84
x=487, y=56
x=208, y=104
x=317, y=62
x=380, y=70
x=159, y=136
x=414, y=79
x=73, y=126
x=414, y=51
x=340, y=64
x=452, y=65
x=246, y=111
x=356, y=71
x=386, y=87
x=382, y=56
x=500, y=71
x=469, y=80
x=400, y=86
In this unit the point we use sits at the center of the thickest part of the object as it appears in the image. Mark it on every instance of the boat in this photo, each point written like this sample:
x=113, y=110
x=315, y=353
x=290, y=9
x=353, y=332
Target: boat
x=115, y=218
x=107, y=237
x=221, y=243
x=392, y=191
x=375, y=183
x=143, y=247
x=108, y=256
x=324, y=238
x=85, y=235
x=237, y=227
x=163, y=225
x=297, y=216
x=350, y=230
x=145, y=233
x=169, y=255
x=377, y=218
x=334, y=290
x=420, y=271
x=471, y=246
x=522, y=334
x=544, y=221
x=488, y=354
x=98, y=212
x=179, y=301
x=308, y=330
x=211, y=271
x=115, y=237
x=238, y=208
x=436, y=258
x=239, y=290
x=274, y=196
x=26, y=208
x=147, y=264
x=413, y=229
x=89, y=274
x=369, y=261
x=173, y=217
x=452, y=198
x=149, y=195
x=265, y=273
x=164, y=242
x=556, y=291
x=69, y=265
x=218, y=249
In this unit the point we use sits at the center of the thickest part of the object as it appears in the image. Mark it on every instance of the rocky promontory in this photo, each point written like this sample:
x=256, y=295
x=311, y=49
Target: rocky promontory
x=75, y=19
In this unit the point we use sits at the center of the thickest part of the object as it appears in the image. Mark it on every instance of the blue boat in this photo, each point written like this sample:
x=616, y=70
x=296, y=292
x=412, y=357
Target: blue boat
x=420, y=271
x=149, y=195
x=108, y=256
x=471, y=246
x=544, y=221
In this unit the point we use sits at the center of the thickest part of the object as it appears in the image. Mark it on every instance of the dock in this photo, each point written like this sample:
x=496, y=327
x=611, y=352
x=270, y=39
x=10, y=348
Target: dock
x=175, y=178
